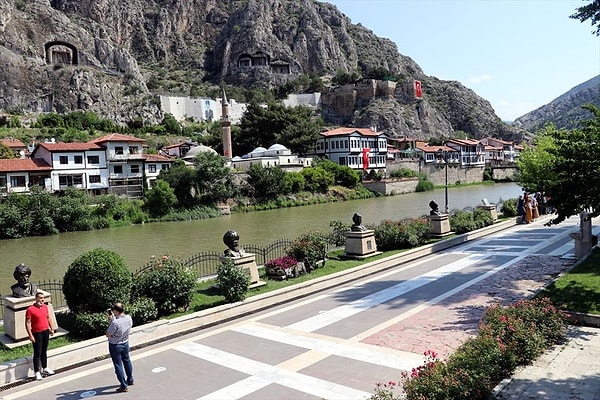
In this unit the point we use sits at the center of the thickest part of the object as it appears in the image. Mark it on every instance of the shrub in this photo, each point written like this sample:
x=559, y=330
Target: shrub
x=90, y=325
x=160, y=200
x=393, y=235
x=166, y=281
x=309, y=248
x=402, y=173
x=142, y=310
x=424, y=184
x=509, y=208
x=338, y=235
x=462, y=222
x=282, y=263
x=95, y=280
x=508, y=336
x=233, y=281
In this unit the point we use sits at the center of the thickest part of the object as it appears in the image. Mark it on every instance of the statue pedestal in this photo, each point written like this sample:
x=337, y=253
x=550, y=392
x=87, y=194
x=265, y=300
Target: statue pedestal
x=440, y=225
x=14, y=315
x=360, y=244
x=248, y=262
x=584, y=239
x=491, y=208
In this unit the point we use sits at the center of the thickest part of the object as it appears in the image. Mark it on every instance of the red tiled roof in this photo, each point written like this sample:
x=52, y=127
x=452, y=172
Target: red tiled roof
x=12, y=143
x=61, y=146
x=157, y=158
x=432, y=149
x=117, y=137
x=23, y=164
x=348, y=131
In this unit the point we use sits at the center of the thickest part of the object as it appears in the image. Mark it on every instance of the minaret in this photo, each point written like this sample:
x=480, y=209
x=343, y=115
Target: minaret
x=226, y=127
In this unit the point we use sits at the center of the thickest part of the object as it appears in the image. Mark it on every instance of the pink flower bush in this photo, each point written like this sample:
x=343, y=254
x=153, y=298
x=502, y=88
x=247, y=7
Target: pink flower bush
x=282, y=263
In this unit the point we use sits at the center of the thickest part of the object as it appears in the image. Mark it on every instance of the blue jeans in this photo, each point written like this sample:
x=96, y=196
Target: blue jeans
x=119, y=353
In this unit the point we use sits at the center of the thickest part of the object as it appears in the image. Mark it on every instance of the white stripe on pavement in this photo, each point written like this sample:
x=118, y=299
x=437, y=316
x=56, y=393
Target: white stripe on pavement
x=264, y=374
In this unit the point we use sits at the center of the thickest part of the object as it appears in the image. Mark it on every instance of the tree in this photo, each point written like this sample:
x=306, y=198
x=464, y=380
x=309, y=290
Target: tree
x=292, y=127
x=267, y=182
x=213, y=178
x=181, y=179
x=6, y=152
x=566, y=166
x=591, y=12
x=160, y=200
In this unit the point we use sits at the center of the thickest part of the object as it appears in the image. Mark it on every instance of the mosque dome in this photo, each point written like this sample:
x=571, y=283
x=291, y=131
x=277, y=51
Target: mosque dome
x=194, y=151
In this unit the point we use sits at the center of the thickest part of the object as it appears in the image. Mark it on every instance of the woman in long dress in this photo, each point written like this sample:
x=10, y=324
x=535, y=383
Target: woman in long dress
x=528, y=210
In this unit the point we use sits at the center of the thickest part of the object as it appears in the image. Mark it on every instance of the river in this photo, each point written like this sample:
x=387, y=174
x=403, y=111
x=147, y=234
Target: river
x=49, y=256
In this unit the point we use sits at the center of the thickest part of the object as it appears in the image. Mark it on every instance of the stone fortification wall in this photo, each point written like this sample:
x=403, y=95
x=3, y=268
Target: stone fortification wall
x=503, y=173
x=393, y=186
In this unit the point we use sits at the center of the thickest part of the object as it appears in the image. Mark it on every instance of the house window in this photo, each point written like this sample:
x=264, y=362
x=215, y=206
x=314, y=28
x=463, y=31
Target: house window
x=78, y=159
x=93, y=159
x=17, y=181
x=119, y=150
x=135, y=169
x=95, y=179
x=2, y=181
x=133, y=150
x=118, y=169
x=342, y=161
x=164, y=166
x=152, y=168
x=63, y=159
x=70, y=180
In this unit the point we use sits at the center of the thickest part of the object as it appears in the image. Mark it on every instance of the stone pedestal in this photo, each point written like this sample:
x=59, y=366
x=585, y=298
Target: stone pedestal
x=440, y=225
x=14, y=315
x=248, y=262
x=490, y=208
x=584, y=240
x=360, y=244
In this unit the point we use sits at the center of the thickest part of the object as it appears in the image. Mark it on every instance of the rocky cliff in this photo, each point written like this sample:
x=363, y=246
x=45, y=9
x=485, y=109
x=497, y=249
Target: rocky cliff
x=565, y=111
x=102, y=55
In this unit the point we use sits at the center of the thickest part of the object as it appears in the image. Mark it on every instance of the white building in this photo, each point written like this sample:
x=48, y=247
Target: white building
x=276, y=155
x=357, y=148
x=78, y=165
x=200, y=109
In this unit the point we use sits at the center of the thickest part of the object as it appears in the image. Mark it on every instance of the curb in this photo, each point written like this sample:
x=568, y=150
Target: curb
x=16, y=372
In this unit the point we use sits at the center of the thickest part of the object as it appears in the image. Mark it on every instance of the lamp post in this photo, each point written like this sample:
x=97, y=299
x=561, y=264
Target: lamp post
x=444, y=159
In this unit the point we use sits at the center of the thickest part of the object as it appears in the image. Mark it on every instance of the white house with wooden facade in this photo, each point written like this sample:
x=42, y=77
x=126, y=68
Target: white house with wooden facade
x=78, y=165
x=357, y=148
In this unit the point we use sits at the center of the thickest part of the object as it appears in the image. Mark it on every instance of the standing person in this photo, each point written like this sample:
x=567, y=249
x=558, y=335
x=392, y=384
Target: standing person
x=528, y=210
x=39, y=329
x=521, y=209
x=534, y=208
x=118, y=345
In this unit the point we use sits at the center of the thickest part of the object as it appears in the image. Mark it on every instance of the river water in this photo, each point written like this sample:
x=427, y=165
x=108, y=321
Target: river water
x=49, y=256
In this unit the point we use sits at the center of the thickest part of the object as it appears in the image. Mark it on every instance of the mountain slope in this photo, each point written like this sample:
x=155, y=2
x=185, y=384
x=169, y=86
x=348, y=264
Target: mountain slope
x=565, y=111
x=114, y=56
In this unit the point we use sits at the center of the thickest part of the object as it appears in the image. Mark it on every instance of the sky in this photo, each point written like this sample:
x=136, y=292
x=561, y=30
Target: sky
x=517, y=54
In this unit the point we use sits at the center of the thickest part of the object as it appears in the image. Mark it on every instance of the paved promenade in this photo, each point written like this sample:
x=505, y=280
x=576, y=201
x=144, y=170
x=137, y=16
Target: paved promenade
x=338, y=343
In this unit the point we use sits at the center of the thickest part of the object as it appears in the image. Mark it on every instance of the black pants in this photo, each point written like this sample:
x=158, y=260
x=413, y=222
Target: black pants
x=40, y=350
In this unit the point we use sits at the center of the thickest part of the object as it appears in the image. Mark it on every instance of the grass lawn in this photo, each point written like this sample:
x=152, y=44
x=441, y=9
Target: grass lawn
x=578, y=290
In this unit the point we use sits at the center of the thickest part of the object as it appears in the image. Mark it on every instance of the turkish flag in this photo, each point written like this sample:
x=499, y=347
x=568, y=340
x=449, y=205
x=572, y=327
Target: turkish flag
x=365, y=158
x=418, y=91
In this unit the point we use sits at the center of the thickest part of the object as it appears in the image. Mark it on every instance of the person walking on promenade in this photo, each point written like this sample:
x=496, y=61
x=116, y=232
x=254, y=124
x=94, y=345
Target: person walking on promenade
x=39, y=329
x=521, y=209
x=528, y=210
x=118, y=345
x=535, y=214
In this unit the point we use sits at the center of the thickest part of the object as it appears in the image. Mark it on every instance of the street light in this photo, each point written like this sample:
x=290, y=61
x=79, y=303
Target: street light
x=444, y=159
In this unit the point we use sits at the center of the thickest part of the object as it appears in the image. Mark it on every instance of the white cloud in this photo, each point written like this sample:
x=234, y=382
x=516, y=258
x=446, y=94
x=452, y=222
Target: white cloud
x=479, y=79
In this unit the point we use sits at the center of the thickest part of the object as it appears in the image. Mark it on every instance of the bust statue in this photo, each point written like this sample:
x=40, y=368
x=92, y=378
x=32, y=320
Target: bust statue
x=434, y=208
x=357, y=226
x=232, y=241
x=23, y=288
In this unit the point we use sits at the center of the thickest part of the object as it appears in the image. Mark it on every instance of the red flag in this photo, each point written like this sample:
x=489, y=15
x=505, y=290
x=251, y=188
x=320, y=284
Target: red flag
x=365, y=158
x=418, y=91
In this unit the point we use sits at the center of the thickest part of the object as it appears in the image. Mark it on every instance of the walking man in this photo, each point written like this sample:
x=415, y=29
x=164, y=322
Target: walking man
x=39, y=329
x=118, y=345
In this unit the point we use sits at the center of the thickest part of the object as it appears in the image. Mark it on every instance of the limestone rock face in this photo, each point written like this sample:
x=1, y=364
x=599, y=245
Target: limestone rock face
x=98, y=55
